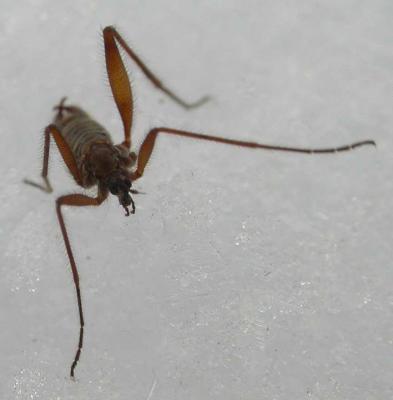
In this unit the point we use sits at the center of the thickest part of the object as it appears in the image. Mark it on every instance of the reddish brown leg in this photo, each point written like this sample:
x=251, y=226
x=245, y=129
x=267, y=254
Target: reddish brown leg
x=73, y=200
x=111, y=31
x=76, y=200
x=120, y=84
x=65, y=152
x=148, y=144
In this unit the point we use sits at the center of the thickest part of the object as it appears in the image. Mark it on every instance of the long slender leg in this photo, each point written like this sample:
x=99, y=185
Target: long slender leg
x=110, y=30
x=75, y=200
x=148, y=145
x=65, y=152
x=120, y=83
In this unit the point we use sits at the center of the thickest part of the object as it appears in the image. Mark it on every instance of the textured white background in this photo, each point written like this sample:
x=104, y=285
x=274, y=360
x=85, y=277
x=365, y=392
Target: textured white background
x=244, y=274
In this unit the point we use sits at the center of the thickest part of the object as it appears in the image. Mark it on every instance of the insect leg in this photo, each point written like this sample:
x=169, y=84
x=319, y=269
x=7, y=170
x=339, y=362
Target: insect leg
x=148, y=144
x=65, y=152
x=120, y=84
x=110, y=31
x=75, y=200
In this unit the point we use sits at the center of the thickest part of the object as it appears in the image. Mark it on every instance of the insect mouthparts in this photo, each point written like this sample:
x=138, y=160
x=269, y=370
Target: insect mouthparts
x=126, y=200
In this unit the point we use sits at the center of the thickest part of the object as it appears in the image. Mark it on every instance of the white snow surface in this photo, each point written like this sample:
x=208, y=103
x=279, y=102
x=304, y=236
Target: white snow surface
x=244, y=274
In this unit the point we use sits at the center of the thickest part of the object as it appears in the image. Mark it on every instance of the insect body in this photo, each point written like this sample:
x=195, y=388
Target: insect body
x=92, y=158
x=98, y=160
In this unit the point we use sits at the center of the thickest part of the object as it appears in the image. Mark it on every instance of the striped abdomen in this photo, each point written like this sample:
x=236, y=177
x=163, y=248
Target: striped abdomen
x=81, y=131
